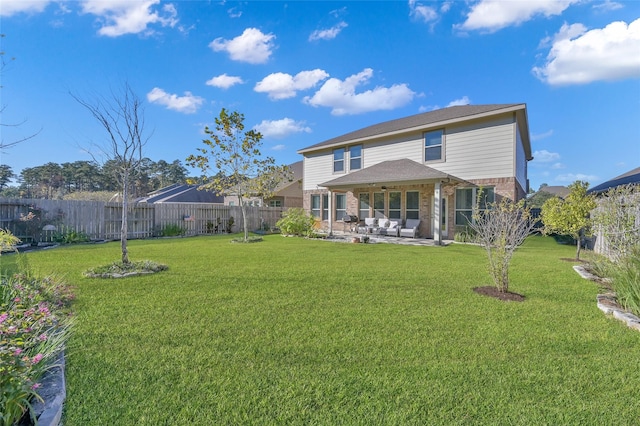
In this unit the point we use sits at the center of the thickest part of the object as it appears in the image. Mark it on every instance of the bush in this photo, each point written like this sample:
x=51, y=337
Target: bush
x=296, y=221
x=34, y=328
x=70, y=236
x=464, y=234
x=172, y=230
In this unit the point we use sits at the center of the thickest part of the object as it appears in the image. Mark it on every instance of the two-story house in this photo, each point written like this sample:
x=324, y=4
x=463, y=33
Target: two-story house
x=430, y=166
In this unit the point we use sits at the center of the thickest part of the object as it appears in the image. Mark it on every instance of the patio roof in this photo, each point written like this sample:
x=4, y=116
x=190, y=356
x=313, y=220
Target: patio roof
x=391, y=172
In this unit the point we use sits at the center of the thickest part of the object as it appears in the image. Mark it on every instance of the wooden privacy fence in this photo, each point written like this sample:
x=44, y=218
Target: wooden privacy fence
x=38, y=219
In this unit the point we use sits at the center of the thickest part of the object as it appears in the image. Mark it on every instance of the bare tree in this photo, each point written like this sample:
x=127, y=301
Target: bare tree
x=122, y=117
x=500, y=230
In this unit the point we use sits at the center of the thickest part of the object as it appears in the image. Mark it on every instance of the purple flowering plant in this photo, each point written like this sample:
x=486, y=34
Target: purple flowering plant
x=34, y=326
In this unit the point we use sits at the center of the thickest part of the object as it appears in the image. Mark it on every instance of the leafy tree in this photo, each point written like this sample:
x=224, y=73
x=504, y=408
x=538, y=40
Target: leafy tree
x=571, y=215
x=236, y=155
x=538, y=199
x=501, y=229
x=122, y=117
x=6, y=174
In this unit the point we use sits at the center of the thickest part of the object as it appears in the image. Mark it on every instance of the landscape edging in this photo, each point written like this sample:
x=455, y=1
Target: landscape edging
x=53, y=393
x=608, y=304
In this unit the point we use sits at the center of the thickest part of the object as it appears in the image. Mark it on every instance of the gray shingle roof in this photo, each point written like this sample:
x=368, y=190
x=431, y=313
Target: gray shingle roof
x=389, y=172
x=432, y=118
x=631, y=177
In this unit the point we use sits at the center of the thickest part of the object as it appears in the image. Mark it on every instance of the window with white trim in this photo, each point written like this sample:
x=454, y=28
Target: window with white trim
x=363, y=205
x=341, y=206
x=315, y=205
x=395, y=205
x=433, y=142
x=355, y=157
x=338, y=160
x=378, y=204
x=468, y=199
x=412, y=205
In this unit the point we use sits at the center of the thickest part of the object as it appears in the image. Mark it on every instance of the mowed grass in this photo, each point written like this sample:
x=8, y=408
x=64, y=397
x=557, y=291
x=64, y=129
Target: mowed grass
x=294, y=331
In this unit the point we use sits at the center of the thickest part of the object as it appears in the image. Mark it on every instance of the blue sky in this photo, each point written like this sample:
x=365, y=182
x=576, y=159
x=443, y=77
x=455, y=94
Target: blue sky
x=304, y=72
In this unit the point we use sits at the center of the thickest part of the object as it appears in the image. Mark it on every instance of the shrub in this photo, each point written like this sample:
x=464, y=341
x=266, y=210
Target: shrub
x=70, y=236
x=172, y=230
x=296, y=221
x=33, y=329
x=464, y=234
x=500, y=230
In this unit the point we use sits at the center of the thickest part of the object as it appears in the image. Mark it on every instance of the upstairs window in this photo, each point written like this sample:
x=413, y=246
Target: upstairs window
x=433, y=145
x=355, y=157
x=338, y=160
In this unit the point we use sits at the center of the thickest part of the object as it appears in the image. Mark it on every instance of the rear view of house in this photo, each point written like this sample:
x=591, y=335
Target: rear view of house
x=431, y=167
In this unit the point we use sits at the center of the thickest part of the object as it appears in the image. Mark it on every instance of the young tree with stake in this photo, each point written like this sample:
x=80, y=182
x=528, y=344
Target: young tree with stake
x=240, y=168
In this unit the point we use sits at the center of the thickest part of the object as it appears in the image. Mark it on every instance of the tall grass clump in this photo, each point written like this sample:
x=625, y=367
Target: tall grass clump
x=626, y=280
x=296, y=222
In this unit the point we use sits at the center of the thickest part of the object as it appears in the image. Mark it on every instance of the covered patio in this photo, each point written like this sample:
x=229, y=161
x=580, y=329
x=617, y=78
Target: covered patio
x=397, y=190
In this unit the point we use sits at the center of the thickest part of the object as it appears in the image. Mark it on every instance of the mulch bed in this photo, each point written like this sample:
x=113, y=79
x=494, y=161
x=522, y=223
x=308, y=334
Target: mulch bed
x=493, y=291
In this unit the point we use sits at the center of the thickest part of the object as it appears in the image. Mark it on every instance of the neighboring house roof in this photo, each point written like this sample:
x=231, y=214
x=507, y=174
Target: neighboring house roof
x=630, y=177
x=296, y=177
x=389, y=172
x=425, y=120
x=179, y=193
x=558, y=191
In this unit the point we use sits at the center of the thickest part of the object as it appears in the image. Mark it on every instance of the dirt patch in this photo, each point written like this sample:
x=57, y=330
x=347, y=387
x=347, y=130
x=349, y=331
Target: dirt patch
x=492, y=291
x=572, y=259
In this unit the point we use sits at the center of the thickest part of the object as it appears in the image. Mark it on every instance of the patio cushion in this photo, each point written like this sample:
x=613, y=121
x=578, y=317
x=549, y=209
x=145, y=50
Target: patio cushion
x=383, y=223
x=370, y=221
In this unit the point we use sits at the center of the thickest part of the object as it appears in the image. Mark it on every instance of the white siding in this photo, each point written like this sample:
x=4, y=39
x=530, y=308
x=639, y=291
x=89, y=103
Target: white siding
x=394, y=149
x=521, y=162
x=318, y=168
x=481, y=150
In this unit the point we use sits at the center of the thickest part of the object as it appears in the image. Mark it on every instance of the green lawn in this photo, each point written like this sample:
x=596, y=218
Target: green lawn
x=293, y=331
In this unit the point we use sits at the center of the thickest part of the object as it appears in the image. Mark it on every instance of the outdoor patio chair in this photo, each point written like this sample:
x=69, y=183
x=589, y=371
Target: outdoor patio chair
x=391, y=228
x=410, y=228
x=368, y=227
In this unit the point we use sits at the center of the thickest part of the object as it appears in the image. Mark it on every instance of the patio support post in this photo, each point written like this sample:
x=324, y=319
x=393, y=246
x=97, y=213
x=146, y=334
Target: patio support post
x=330, y=208
x=437, y=212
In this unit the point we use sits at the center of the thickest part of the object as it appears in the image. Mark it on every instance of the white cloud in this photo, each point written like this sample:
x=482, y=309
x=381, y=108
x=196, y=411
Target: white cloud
x=545, y=156
x=329, y=33
x=187, y=104
x=224, y=81
x=278, y=147
x=342, y=98
x=423, y=13
x=608, y=5
x=121, y=17
x=11, y=7
x=579, y=56
x=557, y=166
x=493, y=15
x=539, y=136
x=462, y=101
x=283, y=86
x=572, y=177
x=251, y=46
x=279, y=129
